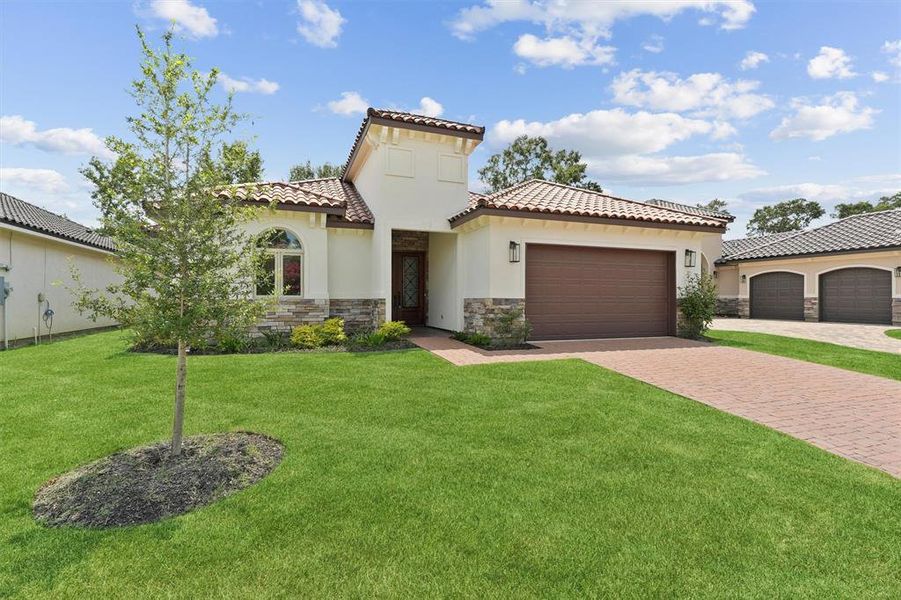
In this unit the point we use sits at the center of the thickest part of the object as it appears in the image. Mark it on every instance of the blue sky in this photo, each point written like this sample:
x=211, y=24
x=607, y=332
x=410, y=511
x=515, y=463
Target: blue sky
x=751, y=102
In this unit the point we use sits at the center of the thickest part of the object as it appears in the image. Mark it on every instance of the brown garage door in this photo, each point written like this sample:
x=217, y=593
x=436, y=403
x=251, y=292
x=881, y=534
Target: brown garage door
x=575, y=292
x=777, y=296
x=856, y=295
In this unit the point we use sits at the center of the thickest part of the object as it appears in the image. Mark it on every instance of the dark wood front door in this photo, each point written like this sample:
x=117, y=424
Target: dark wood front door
x=408, y=287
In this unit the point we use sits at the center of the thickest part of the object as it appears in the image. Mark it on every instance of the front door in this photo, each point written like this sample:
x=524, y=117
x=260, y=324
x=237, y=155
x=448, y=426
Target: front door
x=408, y=287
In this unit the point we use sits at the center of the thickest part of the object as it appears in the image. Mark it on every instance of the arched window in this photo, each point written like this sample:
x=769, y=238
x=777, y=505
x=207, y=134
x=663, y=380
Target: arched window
x=283, y=265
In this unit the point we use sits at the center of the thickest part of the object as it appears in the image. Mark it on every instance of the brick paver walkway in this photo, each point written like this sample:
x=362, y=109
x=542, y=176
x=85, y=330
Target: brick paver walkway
x=868, y=337
x=853, y=415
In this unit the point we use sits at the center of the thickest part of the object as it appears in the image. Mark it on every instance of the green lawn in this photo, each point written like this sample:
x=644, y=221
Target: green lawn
x=404, y=476
x=894, y=333
x=844, y=357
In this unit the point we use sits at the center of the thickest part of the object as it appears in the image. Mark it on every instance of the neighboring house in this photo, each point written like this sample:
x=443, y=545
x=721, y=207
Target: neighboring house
x=400, y=237
x=36, y=247
x=847, y=271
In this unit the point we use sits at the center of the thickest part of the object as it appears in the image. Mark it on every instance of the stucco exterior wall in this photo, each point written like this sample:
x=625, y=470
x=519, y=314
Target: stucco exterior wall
x=489, y=272
x=811, y=268
x=445, y=308
x=41, y=264
x=350, y=263
x=727, y=280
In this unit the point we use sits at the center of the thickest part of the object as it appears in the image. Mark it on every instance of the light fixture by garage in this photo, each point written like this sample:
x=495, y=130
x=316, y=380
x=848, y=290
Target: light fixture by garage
x=691, y=258
x=514, y=252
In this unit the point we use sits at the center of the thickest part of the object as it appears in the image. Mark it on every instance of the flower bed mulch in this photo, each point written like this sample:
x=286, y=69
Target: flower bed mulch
x=147, y=484
x=263, y=349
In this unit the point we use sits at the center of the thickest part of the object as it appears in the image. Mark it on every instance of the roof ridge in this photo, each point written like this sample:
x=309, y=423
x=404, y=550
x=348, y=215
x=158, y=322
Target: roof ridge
x=372, y=109
x=48, y=212
x=865, y=214
x=789, y=235
x=710, y=213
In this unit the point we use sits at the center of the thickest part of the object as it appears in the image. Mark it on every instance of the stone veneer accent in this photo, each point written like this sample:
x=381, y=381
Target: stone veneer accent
x=896, y=311
x=411, y=241
x=359, y=314
x=478, y=313
x=811, y=309
x=744, y=308
x=727, y=307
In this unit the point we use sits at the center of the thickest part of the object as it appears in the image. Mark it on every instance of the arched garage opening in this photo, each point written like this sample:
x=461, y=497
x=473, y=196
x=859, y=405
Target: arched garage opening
x=856, y=295
x=777, y=295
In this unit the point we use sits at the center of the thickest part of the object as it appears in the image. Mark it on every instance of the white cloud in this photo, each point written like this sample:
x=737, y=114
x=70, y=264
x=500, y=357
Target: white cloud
x=654, y=44
x=14, y=129
x=246, y=84
x=830, y=63
x=194, y=20
x=839, y=113
x=606, y=132
x=675, y=170
x=879, y=76
x=562, y=51
x=622, y=146
x=41, y=180
x=752, y=60
x=702, y=93
x=590, y=18
x=429, y=107
x=351, y=103
x=320, y=25
x=520, y=68
x=893, y=49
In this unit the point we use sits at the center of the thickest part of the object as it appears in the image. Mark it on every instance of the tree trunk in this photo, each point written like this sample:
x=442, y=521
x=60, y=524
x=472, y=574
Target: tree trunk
x=181, y=374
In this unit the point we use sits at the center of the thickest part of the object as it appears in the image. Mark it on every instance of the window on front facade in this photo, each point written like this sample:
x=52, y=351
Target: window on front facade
x=282, y=265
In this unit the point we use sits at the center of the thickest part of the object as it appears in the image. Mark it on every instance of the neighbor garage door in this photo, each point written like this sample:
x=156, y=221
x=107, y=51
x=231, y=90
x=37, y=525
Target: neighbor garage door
x=777, y=296
x=857, y=295
x=575, y=292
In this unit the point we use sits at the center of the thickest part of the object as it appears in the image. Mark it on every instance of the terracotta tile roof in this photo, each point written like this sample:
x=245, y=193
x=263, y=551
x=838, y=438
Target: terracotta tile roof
x=410, y=120
x=474, y=198
x=870, y=231
x=28, y=216
x=545, y=197
x=332, y=195
x=738, y=246
x=692, y=210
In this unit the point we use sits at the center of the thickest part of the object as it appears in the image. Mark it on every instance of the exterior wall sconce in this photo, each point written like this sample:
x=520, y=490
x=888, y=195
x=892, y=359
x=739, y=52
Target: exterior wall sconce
x=514, y=252
x=691, y=258
x=744, y=278
x=897, y=271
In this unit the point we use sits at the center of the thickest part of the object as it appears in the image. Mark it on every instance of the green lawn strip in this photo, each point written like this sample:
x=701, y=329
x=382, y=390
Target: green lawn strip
x=406, y=476
x=893, y=333
x=883, y=364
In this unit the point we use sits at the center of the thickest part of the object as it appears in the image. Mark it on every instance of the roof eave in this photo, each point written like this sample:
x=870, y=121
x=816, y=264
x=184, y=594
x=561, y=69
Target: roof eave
x=735, y=261
x=465, y=217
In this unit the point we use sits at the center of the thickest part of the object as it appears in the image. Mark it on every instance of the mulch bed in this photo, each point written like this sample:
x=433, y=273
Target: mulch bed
x=147, y=484
x=349, y=347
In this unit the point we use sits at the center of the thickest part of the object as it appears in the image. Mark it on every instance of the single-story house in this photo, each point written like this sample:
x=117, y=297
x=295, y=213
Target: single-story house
x=848, y=271
x=36, y=247
x=399, y=236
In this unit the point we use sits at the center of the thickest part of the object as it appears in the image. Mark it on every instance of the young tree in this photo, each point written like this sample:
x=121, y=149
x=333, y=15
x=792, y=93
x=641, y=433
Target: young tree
x=859, y=208
x=240, y=164
x=302, y=171
x=532, y=158
x=186, y=267
x=791, y=215
x=716, y=205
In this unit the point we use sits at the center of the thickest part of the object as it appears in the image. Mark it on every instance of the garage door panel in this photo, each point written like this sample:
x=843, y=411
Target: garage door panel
x=778, y=295
x=582, y=292
x=856, y=295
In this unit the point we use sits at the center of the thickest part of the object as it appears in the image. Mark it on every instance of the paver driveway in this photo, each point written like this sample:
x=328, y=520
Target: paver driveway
x=868, y=337
x=851, y=414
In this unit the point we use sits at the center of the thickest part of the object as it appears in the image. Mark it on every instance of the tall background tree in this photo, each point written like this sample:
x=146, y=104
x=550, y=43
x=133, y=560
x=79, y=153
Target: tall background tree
x=187, y=269
x=859, y=208
x=306, y=170
x=532, y=158
x=240, y=164
x=791, y=215
x=716, y=205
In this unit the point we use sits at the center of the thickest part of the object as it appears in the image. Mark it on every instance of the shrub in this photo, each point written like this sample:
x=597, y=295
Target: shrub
x=274, y=340
x=510, y=327
x=393, y=330
x=697, y=303
x=332, y=332
x=373, y=339
x=473, y=338
x=306, y=336
x=233, y=342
